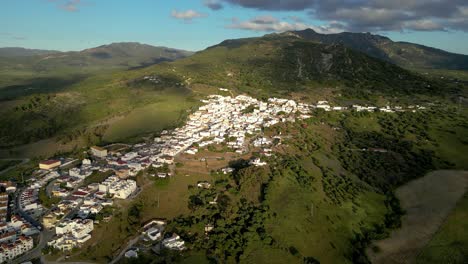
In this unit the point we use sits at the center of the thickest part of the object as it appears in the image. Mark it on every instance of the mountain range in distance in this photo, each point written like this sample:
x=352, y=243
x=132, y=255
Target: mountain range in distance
x=11, y=52
x=123, y=55
x=132, y=54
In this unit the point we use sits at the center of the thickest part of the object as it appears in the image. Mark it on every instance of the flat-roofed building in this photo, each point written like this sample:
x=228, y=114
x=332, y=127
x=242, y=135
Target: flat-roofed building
x=99, y=152
x=49, y=164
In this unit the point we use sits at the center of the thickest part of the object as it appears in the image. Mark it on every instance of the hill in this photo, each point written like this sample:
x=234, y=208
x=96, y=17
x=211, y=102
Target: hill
x=262, y=67
x=322, y=198
x=126, y=55
x=404, y=54
x=273, y=64
x=22, y=52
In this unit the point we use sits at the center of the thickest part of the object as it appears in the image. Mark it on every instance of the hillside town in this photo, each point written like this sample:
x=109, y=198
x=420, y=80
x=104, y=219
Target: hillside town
x=236, y=122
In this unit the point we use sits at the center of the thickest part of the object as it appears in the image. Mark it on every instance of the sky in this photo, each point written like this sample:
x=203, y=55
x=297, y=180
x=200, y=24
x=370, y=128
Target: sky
x=197, y=24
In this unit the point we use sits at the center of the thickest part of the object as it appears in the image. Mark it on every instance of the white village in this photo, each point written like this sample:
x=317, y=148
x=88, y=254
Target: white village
x=236, y=122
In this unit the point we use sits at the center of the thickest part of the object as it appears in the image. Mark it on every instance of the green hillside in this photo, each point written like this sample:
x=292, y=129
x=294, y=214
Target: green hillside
x=282, y=65
x=20, y=67
x=319, y=200
x=263, y=67
x=322, y=198
x=404, y=54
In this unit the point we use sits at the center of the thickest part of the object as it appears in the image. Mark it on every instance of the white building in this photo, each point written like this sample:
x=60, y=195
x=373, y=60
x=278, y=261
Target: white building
x=174, y=243
x=72, y=233
x=154, y=233
x=9, y=251
x=121, y=189
x=258, y=163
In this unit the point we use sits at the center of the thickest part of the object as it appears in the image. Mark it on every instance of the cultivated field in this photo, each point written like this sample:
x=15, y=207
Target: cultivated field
x=427, y=202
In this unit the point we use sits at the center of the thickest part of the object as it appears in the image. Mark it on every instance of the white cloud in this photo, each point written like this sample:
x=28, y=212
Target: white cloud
x=187, y=15
x=424, y=25
x=272, y=24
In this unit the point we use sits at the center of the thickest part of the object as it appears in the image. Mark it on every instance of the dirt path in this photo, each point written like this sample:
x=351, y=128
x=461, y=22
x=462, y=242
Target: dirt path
x=427, y=202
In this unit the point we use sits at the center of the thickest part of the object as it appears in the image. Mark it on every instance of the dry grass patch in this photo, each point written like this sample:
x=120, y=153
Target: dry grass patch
x=427, y=202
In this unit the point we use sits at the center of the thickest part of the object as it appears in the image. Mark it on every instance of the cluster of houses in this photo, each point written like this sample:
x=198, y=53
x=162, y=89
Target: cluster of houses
x=71, y=234
x=325, y=105
x=9, y=251
x=84, y=201
x=15, y=232
x=223, y=119
x=120, y=189
x=29, y=197
x=15, y=238
x=153, y=231
x=77, y=199
x=227, y=120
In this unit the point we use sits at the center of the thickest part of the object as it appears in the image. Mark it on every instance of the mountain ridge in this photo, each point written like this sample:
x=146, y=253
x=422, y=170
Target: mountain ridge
x=33, y=51
x=24, y=52
x=122, y=55
x=404, y=54
x=273, y=64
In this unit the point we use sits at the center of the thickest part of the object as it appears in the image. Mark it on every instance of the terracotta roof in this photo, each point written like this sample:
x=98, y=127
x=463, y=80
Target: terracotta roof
x=49, y=162
x=80, y=193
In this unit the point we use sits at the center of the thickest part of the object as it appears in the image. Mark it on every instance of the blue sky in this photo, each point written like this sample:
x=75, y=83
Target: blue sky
x=192, y=25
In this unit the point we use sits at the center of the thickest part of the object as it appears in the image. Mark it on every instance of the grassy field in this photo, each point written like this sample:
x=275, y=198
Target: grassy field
x=98, y=108
x=450, y=244
x=451, y=139
x=314, y=227
x=427, y=202
x=97, y=177
x=153, y=117
x=364, y=124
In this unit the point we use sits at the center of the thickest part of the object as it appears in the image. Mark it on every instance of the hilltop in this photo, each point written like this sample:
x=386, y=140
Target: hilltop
x=404, y=54
x=263, y=67
x=23, y=52
x=123, y=55
x=282, y=65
